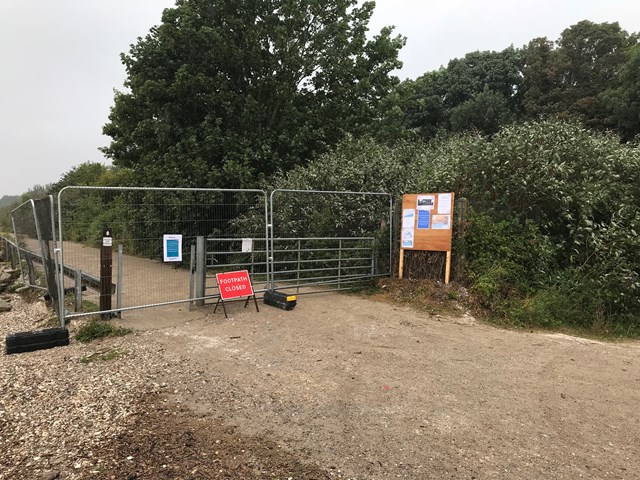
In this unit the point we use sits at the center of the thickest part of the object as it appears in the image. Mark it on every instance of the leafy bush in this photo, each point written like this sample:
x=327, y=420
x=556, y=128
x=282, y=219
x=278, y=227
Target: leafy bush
x=553, y=234
x=506, y=258
x=559, y=208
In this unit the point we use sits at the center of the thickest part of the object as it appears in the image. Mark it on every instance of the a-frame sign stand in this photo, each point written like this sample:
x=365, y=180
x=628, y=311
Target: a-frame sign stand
x=235, y=285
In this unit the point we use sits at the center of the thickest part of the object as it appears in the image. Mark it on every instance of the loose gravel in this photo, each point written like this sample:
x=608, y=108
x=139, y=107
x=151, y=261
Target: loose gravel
x=59, y=405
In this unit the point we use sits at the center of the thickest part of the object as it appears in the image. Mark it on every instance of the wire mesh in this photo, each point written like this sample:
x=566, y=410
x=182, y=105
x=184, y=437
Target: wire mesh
x=28, y=238
x=137, y=220
x=332, y=239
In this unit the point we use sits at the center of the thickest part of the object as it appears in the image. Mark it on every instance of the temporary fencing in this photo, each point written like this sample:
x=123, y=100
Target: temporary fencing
x=34, y=233
x=143, y=247
x=133, y=263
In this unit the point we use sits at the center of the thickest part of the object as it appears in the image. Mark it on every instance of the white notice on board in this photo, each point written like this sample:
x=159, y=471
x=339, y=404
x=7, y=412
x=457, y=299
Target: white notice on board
x=408, y=218
x=444, y=204
x=407, y=237
x=425, y=202
x=247, y=245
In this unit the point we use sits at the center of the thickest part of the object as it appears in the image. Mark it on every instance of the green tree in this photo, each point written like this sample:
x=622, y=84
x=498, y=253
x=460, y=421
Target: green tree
x=568, y=81
x=480, y=90
x=37, y=191
x=541, y=78
x=222, y=93
x=84, y=174
x=591, y=55
x=486, y=112
x=623, y=100
x=422, y=102
x=479, y=71
x=92, y=174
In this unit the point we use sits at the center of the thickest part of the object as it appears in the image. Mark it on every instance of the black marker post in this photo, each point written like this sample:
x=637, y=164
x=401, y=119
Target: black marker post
x=106, y=263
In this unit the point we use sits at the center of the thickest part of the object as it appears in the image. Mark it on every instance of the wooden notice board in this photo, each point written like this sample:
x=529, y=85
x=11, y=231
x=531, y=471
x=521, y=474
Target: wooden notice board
x=427, y=224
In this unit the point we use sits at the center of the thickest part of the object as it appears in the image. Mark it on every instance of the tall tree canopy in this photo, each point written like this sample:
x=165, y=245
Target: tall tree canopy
x=224, y=92
x=568, y=80
x=479, y=91
x=623, y=99
x=590, y=73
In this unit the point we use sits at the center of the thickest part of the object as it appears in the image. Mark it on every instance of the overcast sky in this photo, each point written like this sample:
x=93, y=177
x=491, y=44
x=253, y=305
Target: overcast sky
x=60, y=62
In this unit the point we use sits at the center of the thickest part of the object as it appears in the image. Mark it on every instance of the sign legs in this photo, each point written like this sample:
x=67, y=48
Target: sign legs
x=221, y=302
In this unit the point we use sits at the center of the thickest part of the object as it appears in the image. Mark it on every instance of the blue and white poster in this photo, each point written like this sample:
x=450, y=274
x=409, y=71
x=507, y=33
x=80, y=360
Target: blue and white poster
x=407, y=237
x=424, y=219
x=172, y=248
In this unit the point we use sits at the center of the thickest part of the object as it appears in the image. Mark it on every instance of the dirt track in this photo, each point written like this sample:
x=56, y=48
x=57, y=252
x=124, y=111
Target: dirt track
x=377, y=391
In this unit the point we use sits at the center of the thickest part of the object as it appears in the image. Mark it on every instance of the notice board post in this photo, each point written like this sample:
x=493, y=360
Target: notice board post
x=427, y=224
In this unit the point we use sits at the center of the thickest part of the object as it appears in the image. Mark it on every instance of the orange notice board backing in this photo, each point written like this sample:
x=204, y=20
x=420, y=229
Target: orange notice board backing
x=427, y=224
x=427, y=218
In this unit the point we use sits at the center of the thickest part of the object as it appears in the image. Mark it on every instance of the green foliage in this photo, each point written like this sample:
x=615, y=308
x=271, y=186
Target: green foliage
x=224, y=93
x=96, y=329
x=92, y=174
x=476, y=72
x=359, y=165
x=37, y=191
x=486, y=112
x=5, y=219
x=577, y=79
x=7, y=203
x=479, y=91
x=507, y=258
x=590, y=74
x=552, y=236
x=623, y=99
x=558, y=211
x=85, y=174
x=87, y=212
x=8, y=200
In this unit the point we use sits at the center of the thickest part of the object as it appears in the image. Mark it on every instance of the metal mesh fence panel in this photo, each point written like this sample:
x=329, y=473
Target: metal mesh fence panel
x=28, y=238
x=225, y=254
x=329, y=239
x=134, y=265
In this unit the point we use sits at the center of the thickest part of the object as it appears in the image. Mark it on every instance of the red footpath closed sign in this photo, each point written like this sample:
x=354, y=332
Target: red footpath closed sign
x=234, y=284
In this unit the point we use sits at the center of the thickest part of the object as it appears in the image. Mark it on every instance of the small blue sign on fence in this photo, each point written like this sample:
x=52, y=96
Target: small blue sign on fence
x=172, y=248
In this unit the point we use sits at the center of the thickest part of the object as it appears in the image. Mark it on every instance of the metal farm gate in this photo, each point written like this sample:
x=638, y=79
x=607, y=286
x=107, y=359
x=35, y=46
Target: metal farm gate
x=113, y=258
x=328, y=240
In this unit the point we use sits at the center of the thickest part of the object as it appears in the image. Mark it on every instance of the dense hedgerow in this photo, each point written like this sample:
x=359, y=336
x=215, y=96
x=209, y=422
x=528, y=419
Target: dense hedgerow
x=552, y=235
